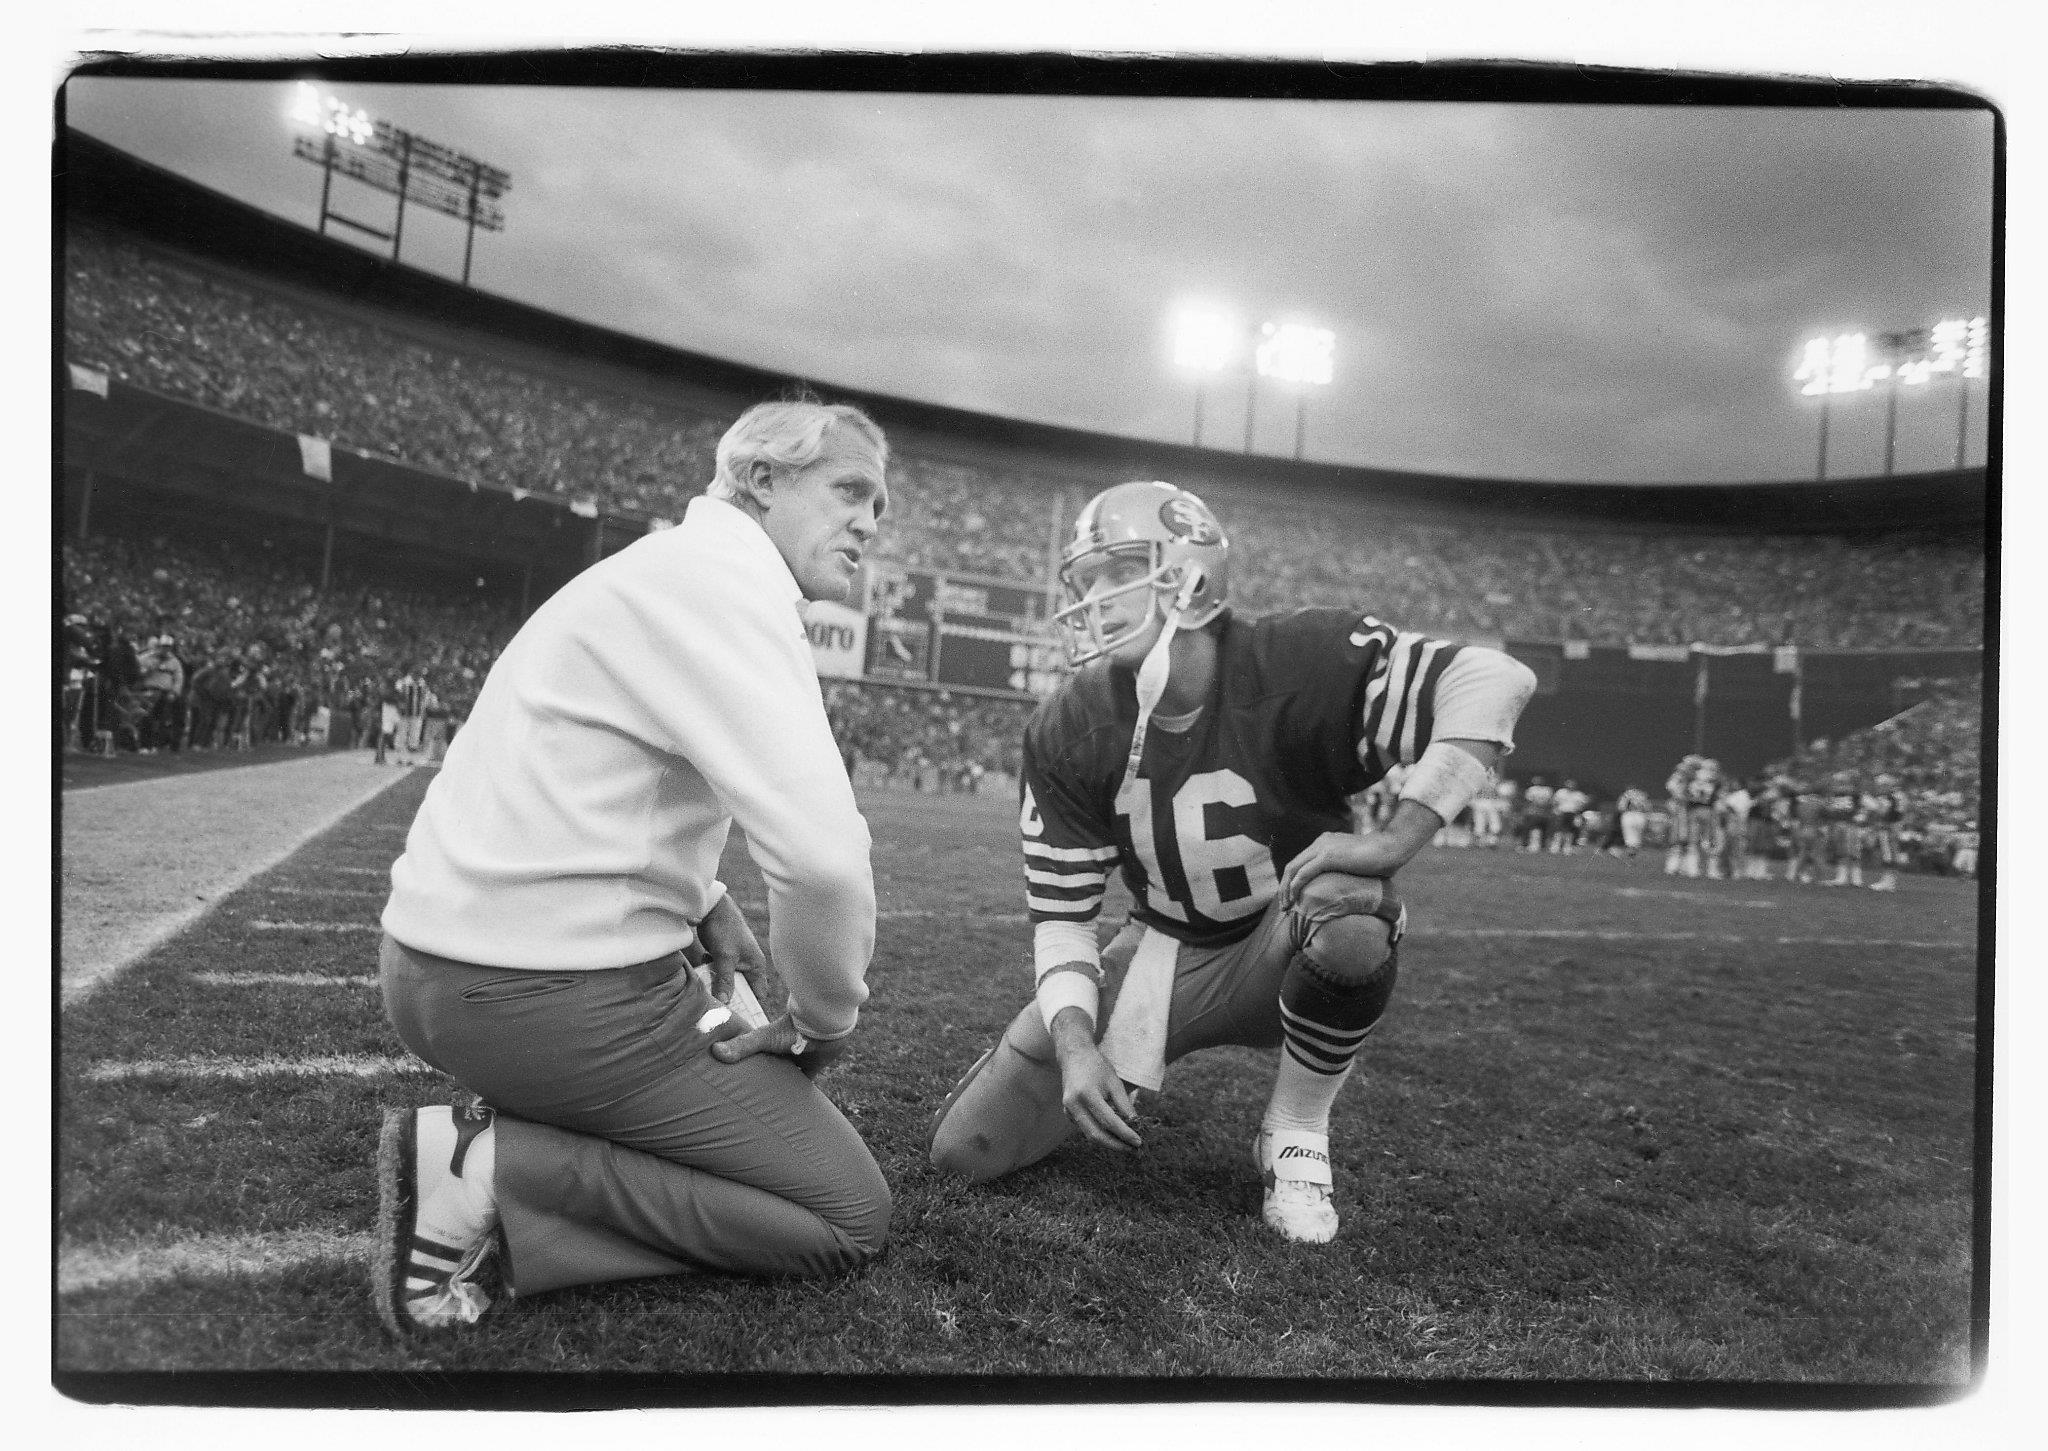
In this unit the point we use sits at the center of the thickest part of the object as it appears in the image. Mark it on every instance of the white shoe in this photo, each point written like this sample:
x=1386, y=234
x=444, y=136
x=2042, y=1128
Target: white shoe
x=1299, y=1206
x=437, y=1223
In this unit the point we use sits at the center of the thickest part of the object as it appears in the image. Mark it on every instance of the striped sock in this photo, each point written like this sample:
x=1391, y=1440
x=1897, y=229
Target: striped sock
x=1324, y=1021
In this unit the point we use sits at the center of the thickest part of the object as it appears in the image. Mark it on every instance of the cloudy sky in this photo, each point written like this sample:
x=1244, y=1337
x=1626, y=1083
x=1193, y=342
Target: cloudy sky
x=1542, y=292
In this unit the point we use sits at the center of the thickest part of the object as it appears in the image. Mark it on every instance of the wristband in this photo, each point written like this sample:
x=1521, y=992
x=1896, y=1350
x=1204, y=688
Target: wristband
x=1073, y=988
x=1445, y=780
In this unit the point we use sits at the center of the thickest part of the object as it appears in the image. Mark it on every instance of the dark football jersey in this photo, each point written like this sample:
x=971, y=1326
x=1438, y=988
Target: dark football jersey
x=1308, y=709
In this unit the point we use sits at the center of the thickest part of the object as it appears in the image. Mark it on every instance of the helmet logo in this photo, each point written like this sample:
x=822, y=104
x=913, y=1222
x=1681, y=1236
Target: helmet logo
x=1187, y=520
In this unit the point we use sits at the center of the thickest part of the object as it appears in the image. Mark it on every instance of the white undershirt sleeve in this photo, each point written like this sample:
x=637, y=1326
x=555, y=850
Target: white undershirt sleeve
x=1480, y=696
x=1054, y=944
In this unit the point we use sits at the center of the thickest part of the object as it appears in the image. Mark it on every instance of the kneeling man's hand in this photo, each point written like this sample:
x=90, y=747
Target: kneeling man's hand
x=732, y=948
x=1092, y=1094
x=780, y=1035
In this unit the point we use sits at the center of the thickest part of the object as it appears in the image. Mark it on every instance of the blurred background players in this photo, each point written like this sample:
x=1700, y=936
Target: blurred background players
x=1633, y=809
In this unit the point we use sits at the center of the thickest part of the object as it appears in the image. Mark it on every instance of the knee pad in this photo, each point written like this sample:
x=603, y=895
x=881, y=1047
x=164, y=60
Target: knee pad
x=1347, y=927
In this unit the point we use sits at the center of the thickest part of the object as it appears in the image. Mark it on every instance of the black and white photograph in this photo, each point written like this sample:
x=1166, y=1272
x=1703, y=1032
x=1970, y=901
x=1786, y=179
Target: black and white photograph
x=837, y=729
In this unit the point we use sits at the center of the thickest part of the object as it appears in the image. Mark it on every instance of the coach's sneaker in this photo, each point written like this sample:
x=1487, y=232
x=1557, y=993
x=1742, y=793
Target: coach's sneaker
x=437, y=1218
x=1295, y=1165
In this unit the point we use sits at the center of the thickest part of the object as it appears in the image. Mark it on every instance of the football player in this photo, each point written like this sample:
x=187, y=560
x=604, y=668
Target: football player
x=1208, y=759
x=1676, y=788
x=1889, y=813
x=1634, y=806
x=1845, y=833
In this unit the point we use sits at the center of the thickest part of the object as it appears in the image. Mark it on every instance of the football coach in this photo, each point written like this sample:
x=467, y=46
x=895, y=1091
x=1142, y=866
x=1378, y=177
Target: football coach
x=560, y=882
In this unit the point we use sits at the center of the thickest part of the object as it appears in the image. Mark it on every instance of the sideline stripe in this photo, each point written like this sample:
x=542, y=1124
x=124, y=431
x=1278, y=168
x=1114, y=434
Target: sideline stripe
x=202, y=1066
x=93, y=1267
x=362, y=893
x=1569, y=934
x=282, y=979
x=356, y=871
x=123, y=896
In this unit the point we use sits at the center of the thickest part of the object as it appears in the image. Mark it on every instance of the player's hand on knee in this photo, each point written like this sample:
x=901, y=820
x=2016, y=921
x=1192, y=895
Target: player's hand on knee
x=780, y=1036
x=1378, y=853
x=1094, y=1098
x=1333, y=851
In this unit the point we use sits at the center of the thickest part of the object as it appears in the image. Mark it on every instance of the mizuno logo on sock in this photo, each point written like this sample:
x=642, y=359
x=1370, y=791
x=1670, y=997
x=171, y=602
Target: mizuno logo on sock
x=1298, y=1151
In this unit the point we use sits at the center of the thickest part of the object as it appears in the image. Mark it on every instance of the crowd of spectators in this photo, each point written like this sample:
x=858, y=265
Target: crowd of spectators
x=1932, y=750
x=184, y=330
x=176, y=643
x=1614, y=588
x=181, y=330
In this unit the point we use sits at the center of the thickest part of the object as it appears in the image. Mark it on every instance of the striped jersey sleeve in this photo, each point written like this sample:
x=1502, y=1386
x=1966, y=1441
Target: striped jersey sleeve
x=1068, y=856
x=1399, y=715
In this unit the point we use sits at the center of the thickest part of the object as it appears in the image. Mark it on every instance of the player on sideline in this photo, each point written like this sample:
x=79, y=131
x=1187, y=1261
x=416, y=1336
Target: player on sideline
x=1209, y=759
x=560, y=878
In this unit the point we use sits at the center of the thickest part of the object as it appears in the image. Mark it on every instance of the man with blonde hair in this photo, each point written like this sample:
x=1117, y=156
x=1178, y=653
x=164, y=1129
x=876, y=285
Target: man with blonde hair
x=559, y=884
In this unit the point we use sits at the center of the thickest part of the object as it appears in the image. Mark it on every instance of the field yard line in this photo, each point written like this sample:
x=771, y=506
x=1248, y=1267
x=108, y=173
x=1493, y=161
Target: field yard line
x=200, y=1066
x=263, y=924
x=371, y=893
x=145, y=859
x=282, y=979
x=1588, y=934
x=93, y=1267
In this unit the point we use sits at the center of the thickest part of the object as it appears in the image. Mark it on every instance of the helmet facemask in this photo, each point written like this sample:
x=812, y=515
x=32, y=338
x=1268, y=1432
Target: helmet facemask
x=1080, y=621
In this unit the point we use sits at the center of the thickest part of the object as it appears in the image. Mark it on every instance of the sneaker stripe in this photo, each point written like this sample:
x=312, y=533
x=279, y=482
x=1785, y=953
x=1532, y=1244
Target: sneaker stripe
x=421, y=1245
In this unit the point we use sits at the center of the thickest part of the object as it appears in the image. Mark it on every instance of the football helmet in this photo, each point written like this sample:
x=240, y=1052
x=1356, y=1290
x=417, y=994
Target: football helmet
x=1176, y=538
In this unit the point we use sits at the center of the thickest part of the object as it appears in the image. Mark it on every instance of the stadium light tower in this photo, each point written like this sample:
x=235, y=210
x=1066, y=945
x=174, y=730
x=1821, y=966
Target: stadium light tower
x=1203, y=340
x=1909, y=358
x=1959, y=347
x=1300, y=355
x=338, y=137
x=1827, y=366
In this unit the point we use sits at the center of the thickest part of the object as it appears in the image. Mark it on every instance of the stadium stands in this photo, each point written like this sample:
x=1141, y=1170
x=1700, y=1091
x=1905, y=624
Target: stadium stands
x=156, y=320
x=1932, y=751
x=259, y=648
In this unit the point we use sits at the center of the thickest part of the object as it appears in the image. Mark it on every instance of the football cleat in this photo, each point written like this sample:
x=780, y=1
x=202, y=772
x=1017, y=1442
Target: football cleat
x=437, y=1262
x=1295, y=1166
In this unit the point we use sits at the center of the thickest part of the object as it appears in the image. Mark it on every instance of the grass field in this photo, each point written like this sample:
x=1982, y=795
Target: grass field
x=1692, y=1136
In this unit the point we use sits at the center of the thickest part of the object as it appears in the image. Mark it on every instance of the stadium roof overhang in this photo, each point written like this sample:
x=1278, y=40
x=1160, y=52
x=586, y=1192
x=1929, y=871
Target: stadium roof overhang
x=130, y=436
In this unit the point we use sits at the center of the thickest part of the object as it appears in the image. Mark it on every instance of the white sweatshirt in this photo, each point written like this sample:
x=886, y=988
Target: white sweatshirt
x=578, y=820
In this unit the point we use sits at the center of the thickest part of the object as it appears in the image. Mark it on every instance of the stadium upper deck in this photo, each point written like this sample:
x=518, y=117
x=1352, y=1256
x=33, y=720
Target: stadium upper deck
x=504, y=398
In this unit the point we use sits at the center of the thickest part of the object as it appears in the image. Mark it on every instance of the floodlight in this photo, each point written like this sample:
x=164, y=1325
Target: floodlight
x=1295, y=353
x=1840, y=364
x=1203, y=339
x=312, y=106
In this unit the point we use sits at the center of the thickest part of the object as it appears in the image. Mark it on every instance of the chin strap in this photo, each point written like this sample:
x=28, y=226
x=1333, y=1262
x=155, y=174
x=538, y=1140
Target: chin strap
x=1152, y=673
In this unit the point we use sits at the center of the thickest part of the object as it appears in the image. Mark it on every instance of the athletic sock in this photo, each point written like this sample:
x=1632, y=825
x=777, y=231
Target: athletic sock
x=467, y=1205
x=1324, y=1021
